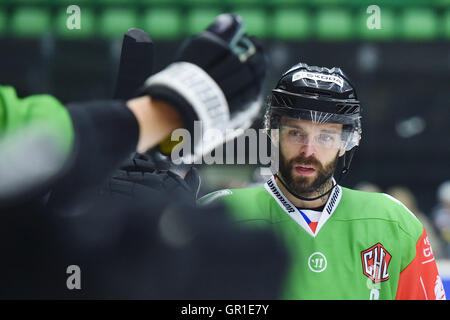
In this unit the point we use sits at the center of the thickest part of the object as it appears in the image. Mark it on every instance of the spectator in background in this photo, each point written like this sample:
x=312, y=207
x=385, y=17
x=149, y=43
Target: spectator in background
x=367, y=186
x=441, y=215
x=405, y=196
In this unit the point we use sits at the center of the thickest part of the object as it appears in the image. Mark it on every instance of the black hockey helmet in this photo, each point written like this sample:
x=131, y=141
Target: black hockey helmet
x=315, y=88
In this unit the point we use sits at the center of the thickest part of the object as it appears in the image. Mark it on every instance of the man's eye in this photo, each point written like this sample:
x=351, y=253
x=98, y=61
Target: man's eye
x=326, y=138
x=294, y=133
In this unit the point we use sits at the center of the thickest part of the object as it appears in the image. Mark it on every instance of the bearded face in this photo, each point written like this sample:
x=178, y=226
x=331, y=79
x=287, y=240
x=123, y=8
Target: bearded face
x=309, y=155
x=317, y=178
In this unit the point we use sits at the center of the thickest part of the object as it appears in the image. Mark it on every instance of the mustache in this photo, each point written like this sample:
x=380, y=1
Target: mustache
x=302, y=160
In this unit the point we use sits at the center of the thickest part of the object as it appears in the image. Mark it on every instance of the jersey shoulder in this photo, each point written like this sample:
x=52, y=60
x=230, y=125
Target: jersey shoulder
x=374, y=205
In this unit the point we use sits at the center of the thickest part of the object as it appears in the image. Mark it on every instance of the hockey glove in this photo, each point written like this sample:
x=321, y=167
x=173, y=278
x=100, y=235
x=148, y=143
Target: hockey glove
x=217, y=78
x=138, y=178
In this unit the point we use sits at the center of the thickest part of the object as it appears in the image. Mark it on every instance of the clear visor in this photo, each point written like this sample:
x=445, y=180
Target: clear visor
x=320, y=129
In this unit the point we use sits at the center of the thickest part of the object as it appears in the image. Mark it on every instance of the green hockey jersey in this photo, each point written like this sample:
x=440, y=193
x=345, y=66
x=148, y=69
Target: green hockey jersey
x=361, y=246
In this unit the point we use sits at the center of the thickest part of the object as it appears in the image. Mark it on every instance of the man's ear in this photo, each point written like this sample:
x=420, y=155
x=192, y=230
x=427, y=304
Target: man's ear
x=342, y=149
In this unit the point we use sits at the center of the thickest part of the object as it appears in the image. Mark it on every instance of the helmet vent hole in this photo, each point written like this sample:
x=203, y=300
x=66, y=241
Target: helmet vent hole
x=347, y=108
x=317, y=92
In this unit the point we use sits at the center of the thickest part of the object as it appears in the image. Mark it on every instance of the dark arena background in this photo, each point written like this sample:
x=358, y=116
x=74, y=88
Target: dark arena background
x=401, y=72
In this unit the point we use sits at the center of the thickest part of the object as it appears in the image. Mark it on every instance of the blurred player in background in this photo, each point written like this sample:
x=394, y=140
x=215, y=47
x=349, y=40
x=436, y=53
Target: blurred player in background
x=441, y=215
x=144, y=238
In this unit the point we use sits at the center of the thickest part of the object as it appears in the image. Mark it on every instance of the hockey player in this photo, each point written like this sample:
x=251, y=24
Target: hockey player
x=155, y=245
x=195, y=86
x=345, y=244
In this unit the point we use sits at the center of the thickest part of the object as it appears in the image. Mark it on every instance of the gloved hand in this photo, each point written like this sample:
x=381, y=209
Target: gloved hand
x=217, y=78
x=138, y=177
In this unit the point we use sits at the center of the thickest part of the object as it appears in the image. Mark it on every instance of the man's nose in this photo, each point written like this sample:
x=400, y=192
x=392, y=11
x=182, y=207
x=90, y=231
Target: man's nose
x=307, y=148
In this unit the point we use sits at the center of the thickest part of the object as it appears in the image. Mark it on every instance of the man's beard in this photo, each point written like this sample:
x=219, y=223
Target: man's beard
x=304, y=185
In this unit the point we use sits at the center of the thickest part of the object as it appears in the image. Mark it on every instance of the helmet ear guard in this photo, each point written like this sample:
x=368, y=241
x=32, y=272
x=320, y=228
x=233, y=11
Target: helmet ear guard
x=354, y=136
x=342, y=149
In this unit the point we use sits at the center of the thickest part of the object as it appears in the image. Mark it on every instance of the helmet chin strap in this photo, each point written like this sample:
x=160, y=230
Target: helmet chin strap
x=344, y=171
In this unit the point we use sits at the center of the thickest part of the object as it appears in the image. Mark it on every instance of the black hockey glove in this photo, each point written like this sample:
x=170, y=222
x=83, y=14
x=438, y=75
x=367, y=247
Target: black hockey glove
x=138, y=178
x=217, y=78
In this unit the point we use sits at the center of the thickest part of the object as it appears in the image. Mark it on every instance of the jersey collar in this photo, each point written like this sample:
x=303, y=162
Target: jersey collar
x=299, y=216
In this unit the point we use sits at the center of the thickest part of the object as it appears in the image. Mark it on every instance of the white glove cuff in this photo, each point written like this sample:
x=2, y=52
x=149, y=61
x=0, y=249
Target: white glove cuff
x=198, y=89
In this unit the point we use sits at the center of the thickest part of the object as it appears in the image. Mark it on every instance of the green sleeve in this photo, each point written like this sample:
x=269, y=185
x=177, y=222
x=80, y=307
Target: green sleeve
x=39, y=111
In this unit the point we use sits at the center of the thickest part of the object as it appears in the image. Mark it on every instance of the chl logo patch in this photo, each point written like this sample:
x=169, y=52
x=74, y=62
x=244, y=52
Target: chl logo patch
x=375, y=263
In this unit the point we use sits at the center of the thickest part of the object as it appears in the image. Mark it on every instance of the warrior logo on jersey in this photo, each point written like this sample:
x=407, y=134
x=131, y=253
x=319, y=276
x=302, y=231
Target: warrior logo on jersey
x=375, y=263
